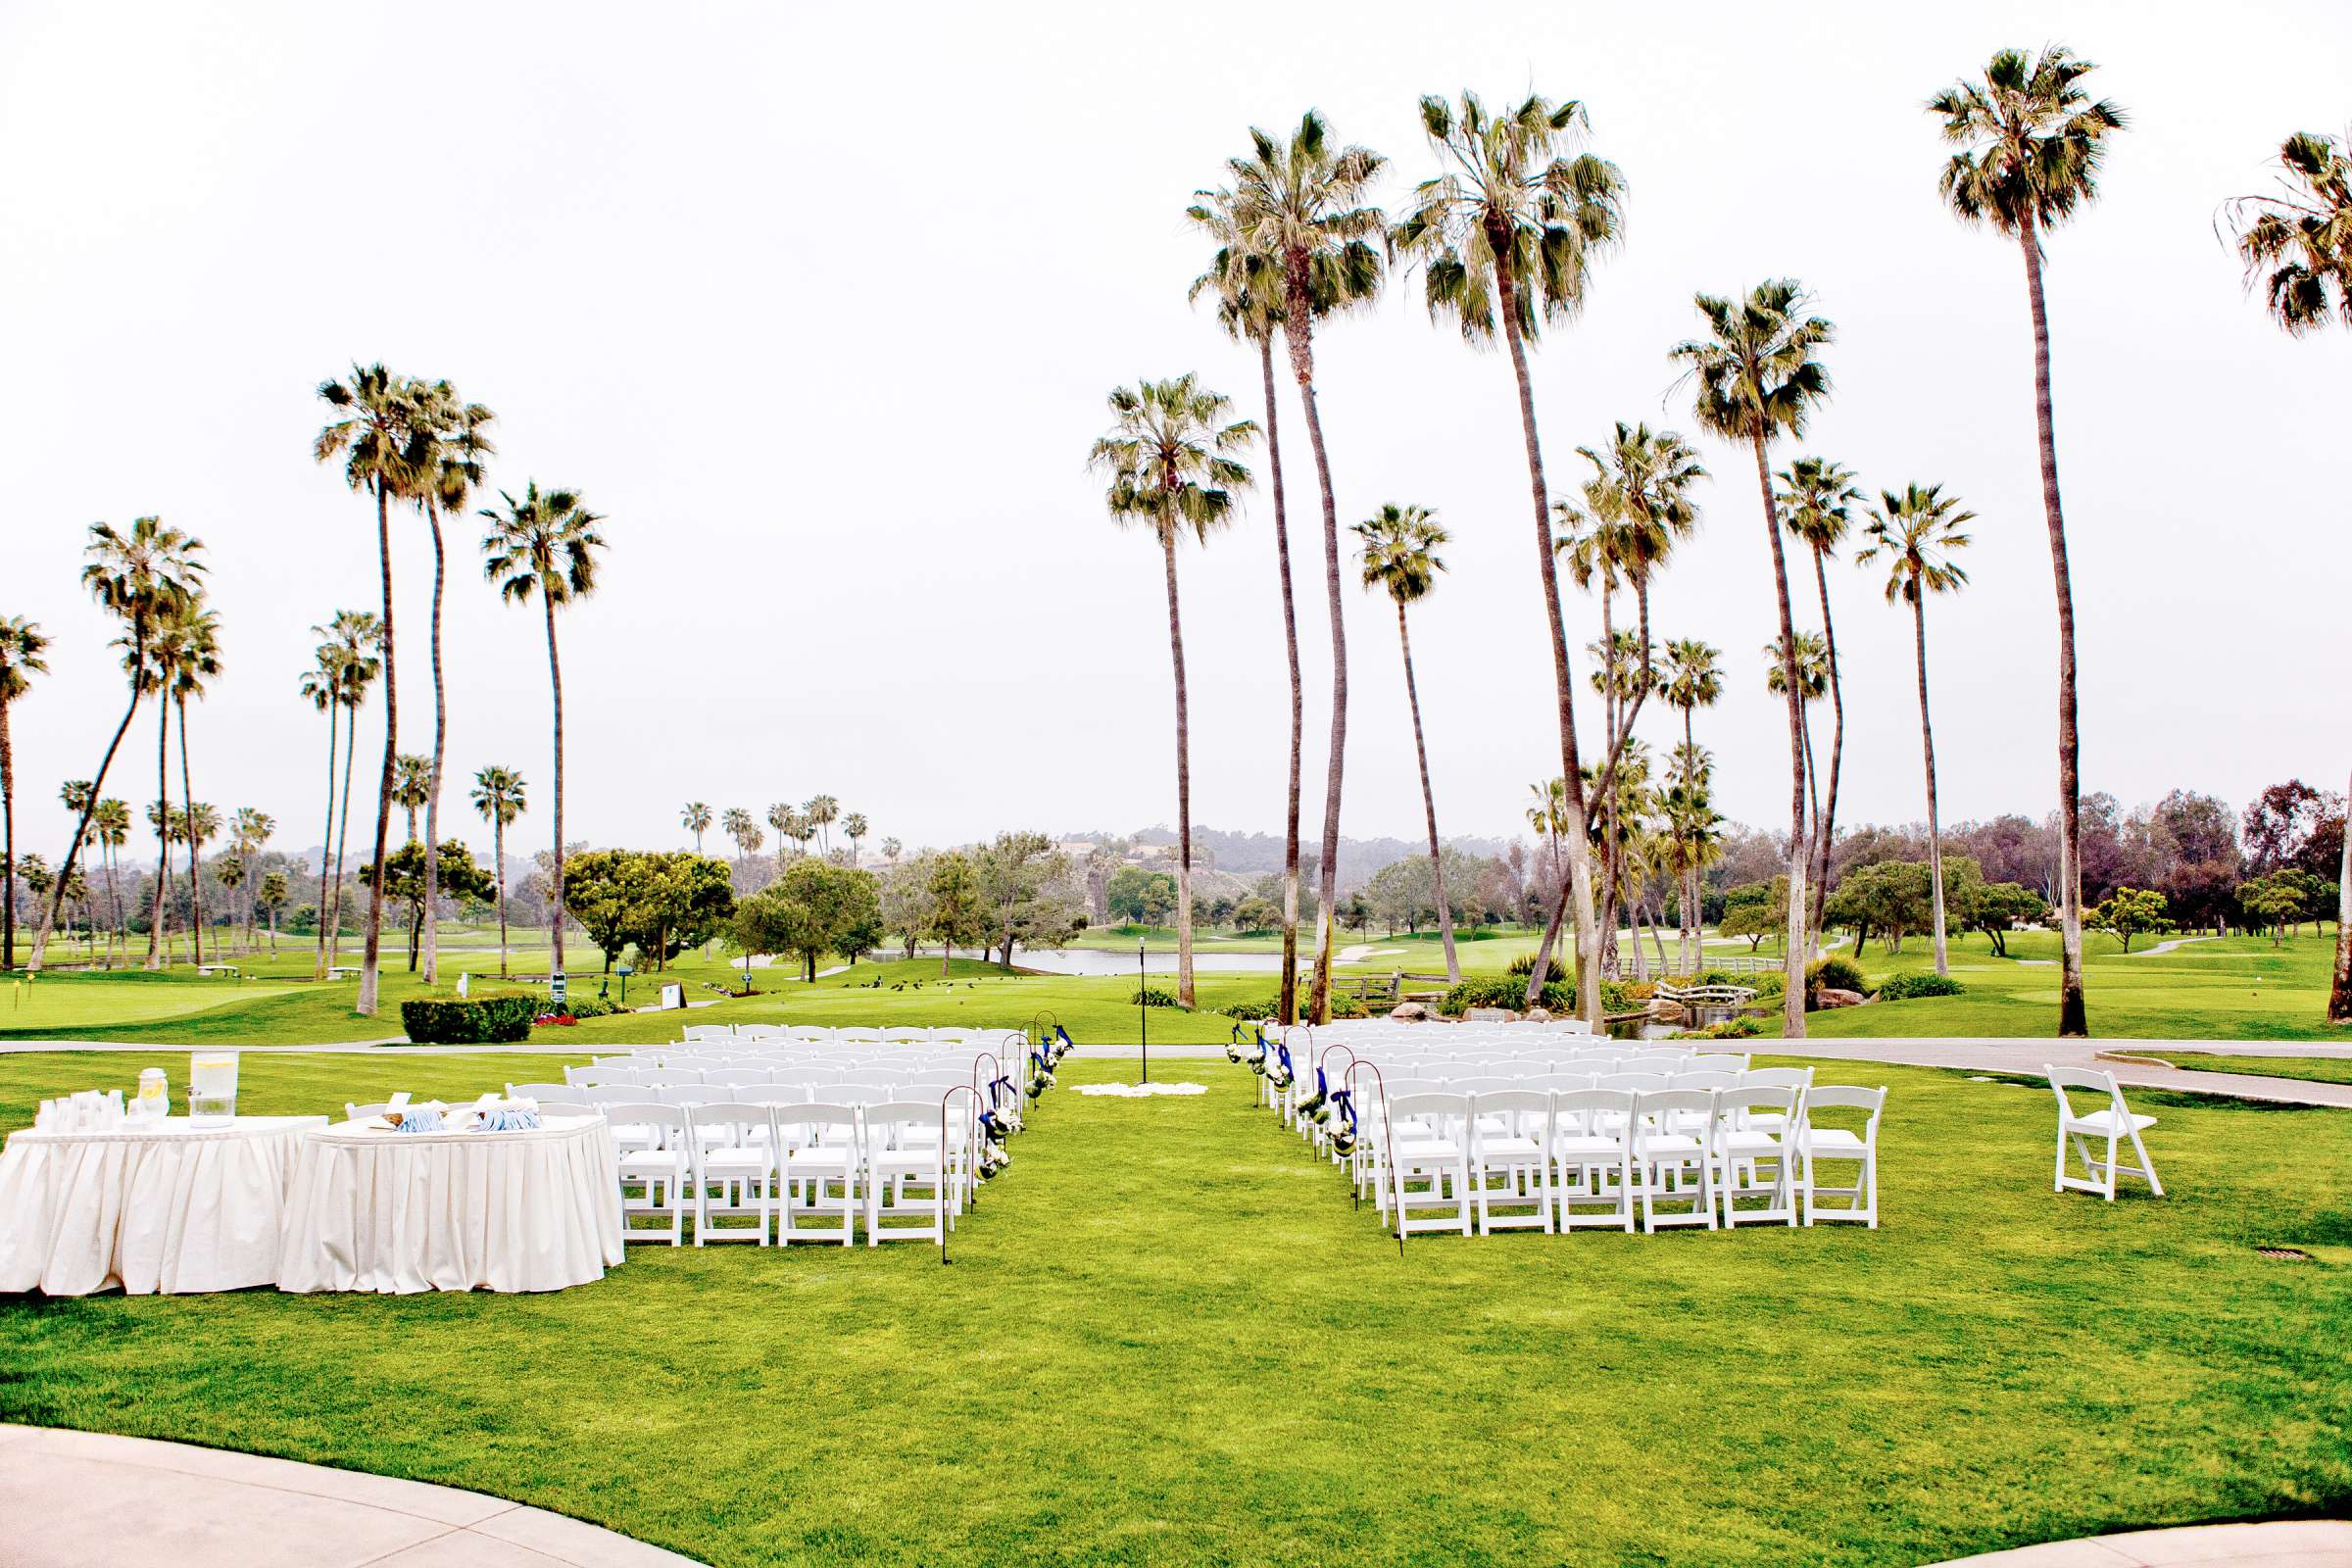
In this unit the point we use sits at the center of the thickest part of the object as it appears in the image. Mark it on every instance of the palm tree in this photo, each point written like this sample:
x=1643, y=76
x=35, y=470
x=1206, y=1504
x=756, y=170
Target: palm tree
x=197, y=824
x=412, y=783
x=823, y=811
x=2303, y=237
x=1812, y=666
x=1759, y=378
x=137, y=576
x=779, y=816
x=353, y=637
x=1400, y=555
x=250, y=829
x=546, y=544
x=2031, y=142
x=1693, y=680
x=736, y=823
x=1302, y=205
x=1917, y=532
x=191, y=655
x=853, y=828
x=272, y=897
x=376, y=435
x=1509, y=230
x=1248, y=284
x=891, y=848
x=1167, y=458
x=109, y=831
x=498, y=794
x=450, y=446
x=229, y=871
x=21, y=645
x=1816, y=505
x=695, y=819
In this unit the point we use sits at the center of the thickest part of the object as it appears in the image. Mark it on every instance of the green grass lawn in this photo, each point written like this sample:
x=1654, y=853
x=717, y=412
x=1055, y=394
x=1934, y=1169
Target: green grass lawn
x=2310, y=1070
x=1168, y=1337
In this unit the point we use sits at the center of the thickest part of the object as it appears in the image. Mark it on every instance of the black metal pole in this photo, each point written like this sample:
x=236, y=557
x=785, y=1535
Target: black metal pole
x=1142, y=1007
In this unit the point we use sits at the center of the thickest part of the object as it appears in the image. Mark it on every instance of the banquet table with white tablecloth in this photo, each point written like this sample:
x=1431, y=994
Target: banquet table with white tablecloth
x=169, y=1205
x=374, y=1208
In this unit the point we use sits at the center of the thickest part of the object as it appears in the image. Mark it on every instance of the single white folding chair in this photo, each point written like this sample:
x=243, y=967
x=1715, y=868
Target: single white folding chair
x=1674, y=1165
x=1751, y=1159
x=1510, y=1144
x=734, y=1171
x=909, y=1171
x=1815, y=1143
x=1591, y=1150
x=1429, y=1138
x=652, y=1145
x=2115, y=1121
x=819, y=1157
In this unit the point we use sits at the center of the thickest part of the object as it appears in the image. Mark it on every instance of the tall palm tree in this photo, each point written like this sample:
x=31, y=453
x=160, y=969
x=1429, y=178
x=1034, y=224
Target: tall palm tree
x=2302, y=238
x=198, y=824
x=451, y=442
x=1509, y=230
x=250, y=829
x=1400, y=555
x=1248, y=284
x=695, y=819
x=21, y=645
x=499, y=794
x=779, y=816
x=1757, y=380
x=189, y=656
x=2031, y=142
x=1812, y=664
x=376, y=433
x=737, y=824
x=1817, y=500
x=1916, y=533
x=823, y=811
x=1302, y=204
x=1167, y=455
x=412, y=783
x=853, y=828
x=108, y=832
x=272, y=897
x=546, y=544
x=353, y=638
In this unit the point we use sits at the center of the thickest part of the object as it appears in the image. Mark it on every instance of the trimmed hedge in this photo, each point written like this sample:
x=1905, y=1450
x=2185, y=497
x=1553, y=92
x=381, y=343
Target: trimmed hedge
x=493, y=1020
x=1904, y=987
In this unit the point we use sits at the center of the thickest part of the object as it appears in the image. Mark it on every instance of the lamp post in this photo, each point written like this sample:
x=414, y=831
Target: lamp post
x=1142, y=1007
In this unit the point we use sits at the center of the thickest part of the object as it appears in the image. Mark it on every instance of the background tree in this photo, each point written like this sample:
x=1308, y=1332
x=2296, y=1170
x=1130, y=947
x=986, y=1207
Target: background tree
x=1508, y=230
x=228, y=870
x=272, y=897
x=1142, y=895
x=955, y=917
x=404, y=883
x=2128, y=912
x=109, y=831
x=1400, y=554
x=812, y=910
x=2297, y=242
x=546, y=544
x=2030, y=145
x=1916, y=533
x=22, y=646
x=353, y=637
x=1169, y=458
x=823, y=812
x=249, y=830
x=1030, y=891
x=501, y=796
x=737, y=824
x=412, y=783
x=374, y=434
x=1817, y=500
x=695, y=819
x=1758, y=379
x=1301, y=205
x=905, y=906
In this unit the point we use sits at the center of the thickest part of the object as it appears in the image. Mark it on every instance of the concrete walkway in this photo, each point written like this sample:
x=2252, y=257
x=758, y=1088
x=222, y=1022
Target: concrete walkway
x=73, y=1498
x=2275, y=1543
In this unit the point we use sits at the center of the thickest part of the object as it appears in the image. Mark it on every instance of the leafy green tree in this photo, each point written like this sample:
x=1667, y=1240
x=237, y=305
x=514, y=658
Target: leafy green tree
x=21, y=645
x=2128, y=911
x=1301, y=205
x=404, y=882
x=544, y=544
x=813, y=908
x=1142, y=895
x=1029, y=888
x=685, y=899
x=1887, y=896
x=958, y=918
x=2002, y=908
x=1400, y=555
x=1507, y=232
x=272, y=897
x=1168, y=456
x=1816, y=501
x=906, y=901
x=1916, y=533
x=606, y=890
x=1759, y=378
x=2031, y=144
x=501, y=796
x=1254, y=913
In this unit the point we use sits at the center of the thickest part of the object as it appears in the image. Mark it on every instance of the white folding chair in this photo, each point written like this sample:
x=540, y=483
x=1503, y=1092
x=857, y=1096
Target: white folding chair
x=1751, y=1159
x=1510, y=1144
x=2114, y=1122
x=1816, y=1143
x=1673, y=1164
x=652, y=1144
x=1429, y=1138
x=1591, y=1150
x=908, y=1171
x=734, y=1171
x=819, y=1155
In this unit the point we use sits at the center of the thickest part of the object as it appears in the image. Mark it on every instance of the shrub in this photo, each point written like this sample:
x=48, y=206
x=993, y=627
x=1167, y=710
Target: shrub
x=1729, y=1029
x=1258, y=1007
x=492, y=1020
x=1507, y=992
x=1833, y=974
x=591, y=1007
x=1904, y=987
x=1152, y=996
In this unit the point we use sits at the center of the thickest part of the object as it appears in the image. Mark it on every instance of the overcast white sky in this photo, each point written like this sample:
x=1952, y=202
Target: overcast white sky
x=819, y=307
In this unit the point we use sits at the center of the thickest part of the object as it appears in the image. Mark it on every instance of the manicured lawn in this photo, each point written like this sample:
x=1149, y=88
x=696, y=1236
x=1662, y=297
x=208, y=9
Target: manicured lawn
x=1168, y=1338
x=2311, y=1069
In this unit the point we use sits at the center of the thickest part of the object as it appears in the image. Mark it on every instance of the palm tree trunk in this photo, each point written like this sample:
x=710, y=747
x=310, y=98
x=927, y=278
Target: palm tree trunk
x=351, y=752
x=369, y=979
x=430, y=938
x=1579, y=867
x=2072, y=1014
x=89, y=807
x=1927, y=745
x=1429, y=804
x=114, y=896
x=1299, y=335
x=157, y=940
x=555, y=675
x=187, y=801
x=498, y=840
x=1607, y=803
x=8, y=845
x=2339, y=993
x=326, y=841
x=1825, y=825
x=1286, y=999
x=1793, y=1005
x=1184, y=783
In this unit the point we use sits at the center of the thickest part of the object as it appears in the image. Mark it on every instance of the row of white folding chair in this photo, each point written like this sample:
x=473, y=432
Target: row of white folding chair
x=1370, y=1118
x=1546, y=1158
x=749, y=1172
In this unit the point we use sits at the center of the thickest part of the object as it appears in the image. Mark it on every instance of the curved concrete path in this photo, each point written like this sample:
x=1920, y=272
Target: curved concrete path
x=73, y=1498
x=2273, y=1544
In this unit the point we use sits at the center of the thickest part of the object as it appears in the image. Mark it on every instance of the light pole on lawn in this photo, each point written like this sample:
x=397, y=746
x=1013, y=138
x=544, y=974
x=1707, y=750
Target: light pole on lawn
x=1142, y=1007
